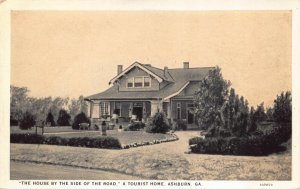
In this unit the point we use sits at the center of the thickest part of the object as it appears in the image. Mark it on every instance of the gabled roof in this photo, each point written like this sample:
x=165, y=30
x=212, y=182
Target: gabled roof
x=177, y=80
x=157, y=74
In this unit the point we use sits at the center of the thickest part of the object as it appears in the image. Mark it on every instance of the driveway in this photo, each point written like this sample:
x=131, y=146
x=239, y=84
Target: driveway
x=161, y=161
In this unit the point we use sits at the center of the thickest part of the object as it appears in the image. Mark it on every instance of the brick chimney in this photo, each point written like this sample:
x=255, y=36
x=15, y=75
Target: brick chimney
x=186, y=65
x=120, y=69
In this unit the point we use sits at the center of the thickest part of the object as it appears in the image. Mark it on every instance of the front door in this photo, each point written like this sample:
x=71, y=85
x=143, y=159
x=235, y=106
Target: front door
x=190, y=113
x=190, y=117
x=138, y=111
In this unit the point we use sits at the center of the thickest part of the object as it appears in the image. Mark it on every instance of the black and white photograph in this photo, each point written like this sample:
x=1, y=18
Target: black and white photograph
x=145, y=98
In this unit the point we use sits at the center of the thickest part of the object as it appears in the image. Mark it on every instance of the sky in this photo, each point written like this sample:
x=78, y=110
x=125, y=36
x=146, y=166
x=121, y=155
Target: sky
x=72, y=53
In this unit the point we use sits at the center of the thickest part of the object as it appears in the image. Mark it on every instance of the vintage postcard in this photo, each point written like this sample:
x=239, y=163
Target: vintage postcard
x=144, y=95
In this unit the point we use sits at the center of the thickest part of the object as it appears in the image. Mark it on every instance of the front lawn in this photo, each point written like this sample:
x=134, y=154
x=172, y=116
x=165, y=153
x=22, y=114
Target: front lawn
x=16, y=129
x=126, y=138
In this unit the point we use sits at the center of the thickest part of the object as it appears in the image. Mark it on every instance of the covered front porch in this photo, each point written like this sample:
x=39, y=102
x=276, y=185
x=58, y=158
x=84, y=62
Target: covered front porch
x=126, y=110
x=121, y=112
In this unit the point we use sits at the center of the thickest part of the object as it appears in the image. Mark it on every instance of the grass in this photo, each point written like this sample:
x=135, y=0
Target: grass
x=16, y=129
x=164, y=161
x=125, y=137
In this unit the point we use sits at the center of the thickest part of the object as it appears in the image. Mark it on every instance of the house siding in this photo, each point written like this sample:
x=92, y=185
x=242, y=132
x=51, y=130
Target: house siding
x=183, y=108
x=134, y=73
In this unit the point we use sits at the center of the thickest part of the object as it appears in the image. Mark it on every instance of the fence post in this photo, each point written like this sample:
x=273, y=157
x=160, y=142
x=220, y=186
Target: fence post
x=36, y=129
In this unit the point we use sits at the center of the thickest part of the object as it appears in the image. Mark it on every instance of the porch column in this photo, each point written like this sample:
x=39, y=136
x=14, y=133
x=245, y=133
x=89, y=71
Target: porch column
x=91, y=109
x=88, y=113
x=154, y=107
x=169, y=110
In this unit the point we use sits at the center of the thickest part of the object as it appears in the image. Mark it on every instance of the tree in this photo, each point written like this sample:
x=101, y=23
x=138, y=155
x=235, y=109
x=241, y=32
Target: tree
x=269, y=113
x=57, y=104
x=77, y=106
x=63, y=118
x=252, y=125
x=259, y=113
x=236, y=114
x=283, y=108
x=18, y=101
x=50, y=119
x=80, y=118
x=210, y=98
x=27, y=121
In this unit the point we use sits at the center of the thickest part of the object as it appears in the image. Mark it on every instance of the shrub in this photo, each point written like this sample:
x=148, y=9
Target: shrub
x=99, y=142
x=50, y=119
x=252, y=145
x=13, y=122
x=63, y=118
x=136, y=126
x=181, y=125
x=27, y=138
x=80, y=118
x=158, y=124
x=27, y=121
x=283, y=108
x=55, y=140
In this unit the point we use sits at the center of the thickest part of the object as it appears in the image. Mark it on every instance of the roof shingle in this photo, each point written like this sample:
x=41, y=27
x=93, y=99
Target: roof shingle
x=177, y=78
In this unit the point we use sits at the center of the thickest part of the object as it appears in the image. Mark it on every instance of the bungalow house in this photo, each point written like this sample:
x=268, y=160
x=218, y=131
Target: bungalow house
x=141, y=90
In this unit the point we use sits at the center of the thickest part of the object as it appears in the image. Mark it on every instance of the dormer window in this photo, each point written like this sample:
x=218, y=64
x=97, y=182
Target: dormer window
x=130, y=83
x=139, y=82
x=147, y=81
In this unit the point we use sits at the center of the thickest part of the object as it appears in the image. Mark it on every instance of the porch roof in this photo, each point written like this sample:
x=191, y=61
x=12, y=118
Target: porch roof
x=113, y=93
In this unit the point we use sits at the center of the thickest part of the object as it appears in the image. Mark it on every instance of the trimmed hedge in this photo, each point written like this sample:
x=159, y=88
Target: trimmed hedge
x=99, y=142
x=135, y=126
x=252, y=145
x=27, y=138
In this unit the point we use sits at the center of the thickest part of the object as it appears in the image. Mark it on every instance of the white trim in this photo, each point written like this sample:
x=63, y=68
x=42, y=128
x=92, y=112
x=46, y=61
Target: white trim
x=150, y=81
x=143, y=83
x=176, y=93
x=128, y=82
x=132, y=66
x=178, y=107
x=140, y=77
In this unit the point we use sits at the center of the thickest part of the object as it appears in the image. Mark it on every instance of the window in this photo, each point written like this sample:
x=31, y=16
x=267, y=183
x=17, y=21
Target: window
x=104, y=108
x=95, y=112
x=130, y=83
x=146, y=81
x=138, y=82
